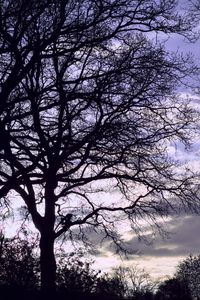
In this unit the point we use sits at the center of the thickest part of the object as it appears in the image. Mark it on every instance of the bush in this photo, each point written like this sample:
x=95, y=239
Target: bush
x=19, y=266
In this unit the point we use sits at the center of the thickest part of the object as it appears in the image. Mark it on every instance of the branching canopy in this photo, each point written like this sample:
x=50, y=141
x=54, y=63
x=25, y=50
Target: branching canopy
x=88, y=108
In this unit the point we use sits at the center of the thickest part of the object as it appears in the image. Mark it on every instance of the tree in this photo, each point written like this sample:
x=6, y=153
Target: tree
x=75, y=276
x=136, y=282
x=88, y=104
x=19, y=268
x=125, y=283
x=186, y=281
x=111, y=287
x=173, y=289
x=188, y=272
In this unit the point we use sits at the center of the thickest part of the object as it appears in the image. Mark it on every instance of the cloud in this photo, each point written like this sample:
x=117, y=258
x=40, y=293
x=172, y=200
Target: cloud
x=182, y=240
x=161, y=257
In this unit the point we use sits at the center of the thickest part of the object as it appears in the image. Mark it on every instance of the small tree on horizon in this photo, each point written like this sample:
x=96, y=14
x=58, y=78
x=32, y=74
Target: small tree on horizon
x=136, y=281
x=88, y=107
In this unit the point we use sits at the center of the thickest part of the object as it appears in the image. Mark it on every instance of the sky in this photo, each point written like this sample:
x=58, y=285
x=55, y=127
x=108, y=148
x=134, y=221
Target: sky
x=161, y=257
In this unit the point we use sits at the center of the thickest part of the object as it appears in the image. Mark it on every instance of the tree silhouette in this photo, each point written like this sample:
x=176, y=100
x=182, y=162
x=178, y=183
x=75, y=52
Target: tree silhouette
x=19, y=266
x=110, y=287
x=173, y=289
x=136, y=282
x=87, y=105
x=75, y=276
x=19, y=269
x=188, y=272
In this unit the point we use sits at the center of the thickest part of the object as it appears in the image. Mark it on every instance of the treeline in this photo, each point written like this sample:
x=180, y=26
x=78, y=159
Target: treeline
x=76, y=279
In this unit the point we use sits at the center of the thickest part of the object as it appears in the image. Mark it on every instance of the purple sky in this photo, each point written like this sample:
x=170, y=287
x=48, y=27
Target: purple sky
x=162, y=256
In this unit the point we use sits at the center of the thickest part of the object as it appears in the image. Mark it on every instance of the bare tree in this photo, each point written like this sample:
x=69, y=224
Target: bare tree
x=87, y=105
x=135, y=283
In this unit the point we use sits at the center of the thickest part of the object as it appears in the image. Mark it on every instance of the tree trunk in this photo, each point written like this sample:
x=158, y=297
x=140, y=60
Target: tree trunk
x=47, y=263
